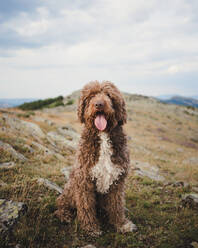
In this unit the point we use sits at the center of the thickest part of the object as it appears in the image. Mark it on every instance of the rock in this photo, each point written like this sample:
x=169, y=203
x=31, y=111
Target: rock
x=64, y=137
x=38, y=119
x=12, y=151
x=180, y=184
x=66, y=172
x=89, y=246
x=145, y=169
x=190, y=200
x=194, y=244
x=68, y=127
x=46, y=151
x=69, y=134
x=26, y=127
x=2, y=184
x=180, y=149
x=7, y=165
x=18, y=246
x=195, y=189
x=41, y=119
x=10, y=212
x=29, y=148
x=50, y=185
x=49, y=122
x=193, y=161
x=61, y=141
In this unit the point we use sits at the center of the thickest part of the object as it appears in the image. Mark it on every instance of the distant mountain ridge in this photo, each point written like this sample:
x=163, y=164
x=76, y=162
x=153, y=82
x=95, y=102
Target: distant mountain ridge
x=13, y=102
x=180, y=100
x=169, y=99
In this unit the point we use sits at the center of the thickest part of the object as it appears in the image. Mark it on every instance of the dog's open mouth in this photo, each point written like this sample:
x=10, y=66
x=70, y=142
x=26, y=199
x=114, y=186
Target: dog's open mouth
x=100, y=121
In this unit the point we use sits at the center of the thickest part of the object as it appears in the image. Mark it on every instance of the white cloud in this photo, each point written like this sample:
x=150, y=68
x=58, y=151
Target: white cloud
x=33, y=28
x=29, y=26
x=115, y=40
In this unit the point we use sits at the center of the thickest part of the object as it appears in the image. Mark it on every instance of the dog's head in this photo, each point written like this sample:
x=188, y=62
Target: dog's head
x=101, y=106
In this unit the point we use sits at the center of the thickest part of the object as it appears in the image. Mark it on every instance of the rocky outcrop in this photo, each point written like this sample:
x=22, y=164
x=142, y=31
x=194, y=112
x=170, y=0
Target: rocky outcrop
x=68, y=132
x=192, y=161
x=64, y=137
x=7, y=165
x=46, y=151
x=50, y=185
x=12, y=151
x=190, y=200
x=41, y=119
x=194, y=244
x=195, y=189
x=10, y=212
x=180, y=184
x=2, y=183
x=145, y=169
x=21, y=126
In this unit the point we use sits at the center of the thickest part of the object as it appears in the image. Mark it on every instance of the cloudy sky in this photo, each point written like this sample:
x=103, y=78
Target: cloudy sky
x=50, y=48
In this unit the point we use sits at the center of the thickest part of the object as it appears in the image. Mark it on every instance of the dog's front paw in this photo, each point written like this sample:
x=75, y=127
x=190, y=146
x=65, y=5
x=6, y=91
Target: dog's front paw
x=95, y=234
x=127, y=227
x=92, y=230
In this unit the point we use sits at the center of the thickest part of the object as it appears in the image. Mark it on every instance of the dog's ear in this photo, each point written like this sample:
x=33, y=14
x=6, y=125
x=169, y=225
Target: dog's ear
x=118, y=101
x=81, y=108
x=121, y=115
x=88, y=91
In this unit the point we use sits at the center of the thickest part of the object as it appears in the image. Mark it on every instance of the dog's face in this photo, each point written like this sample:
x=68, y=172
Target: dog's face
x=101, y=106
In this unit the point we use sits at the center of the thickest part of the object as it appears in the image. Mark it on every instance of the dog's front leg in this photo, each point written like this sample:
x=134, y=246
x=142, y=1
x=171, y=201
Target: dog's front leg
x=114, y=202
x=86, y=208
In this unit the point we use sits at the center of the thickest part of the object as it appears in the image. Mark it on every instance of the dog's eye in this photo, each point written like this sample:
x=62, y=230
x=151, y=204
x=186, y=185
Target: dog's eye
x=109, y=95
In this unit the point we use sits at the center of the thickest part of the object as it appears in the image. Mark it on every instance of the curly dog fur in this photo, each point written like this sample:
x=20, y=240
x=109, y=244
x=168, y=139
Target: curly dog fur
x=97, y=180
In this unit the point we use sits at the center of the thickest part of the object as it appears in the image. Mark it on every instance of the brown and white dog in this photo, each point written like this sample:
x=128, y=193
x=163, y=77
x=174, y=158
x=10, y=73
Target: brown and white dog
x=97, y=180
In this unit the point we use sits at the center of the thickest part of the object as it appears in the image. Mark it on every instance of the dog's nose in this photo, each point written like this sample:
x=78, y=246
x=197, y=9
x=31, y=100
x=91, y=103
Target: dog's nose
x=99, y=104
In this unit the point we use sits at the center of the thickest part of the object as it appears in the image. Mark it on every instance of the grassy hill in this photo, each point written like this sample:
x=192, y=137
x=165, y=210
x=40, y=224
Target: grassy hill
x=163, y=143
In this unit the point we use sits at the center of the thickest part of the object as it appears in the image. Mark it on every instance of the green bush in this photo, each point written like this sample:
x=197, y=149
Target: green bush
x=70, y=102
x=50, y=102
x=56, y=104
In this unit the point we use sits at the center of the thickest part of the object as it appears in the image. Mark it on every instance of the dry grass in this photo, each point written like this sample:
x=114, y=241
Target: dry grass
x=160, y=135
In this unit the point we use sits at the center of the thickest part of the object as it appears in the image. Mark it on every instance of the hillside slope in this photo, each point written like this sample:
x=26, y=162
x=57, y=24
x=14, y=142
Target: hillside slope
x=163, y=143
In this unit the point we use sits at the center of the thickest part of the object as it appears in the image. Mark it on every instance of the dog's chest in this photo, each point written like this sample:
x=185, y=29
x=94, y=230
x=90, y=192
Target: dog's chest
x=105, y=172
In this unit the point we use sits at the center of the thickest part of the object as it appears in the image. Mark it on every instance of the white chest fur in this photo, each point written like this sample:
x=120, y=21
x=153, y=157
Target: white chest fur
x=105, y=172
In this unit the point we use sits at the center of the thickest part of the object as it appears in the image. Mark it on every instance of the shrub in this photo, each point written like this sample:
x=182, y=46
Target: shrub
x=50, y=102
x=70, y=102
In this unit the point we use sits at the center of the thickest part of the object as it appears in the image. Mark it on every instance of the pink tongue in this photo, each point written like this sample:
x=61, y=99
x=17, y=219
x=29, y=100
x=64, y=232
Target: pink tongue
x=100, y=122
